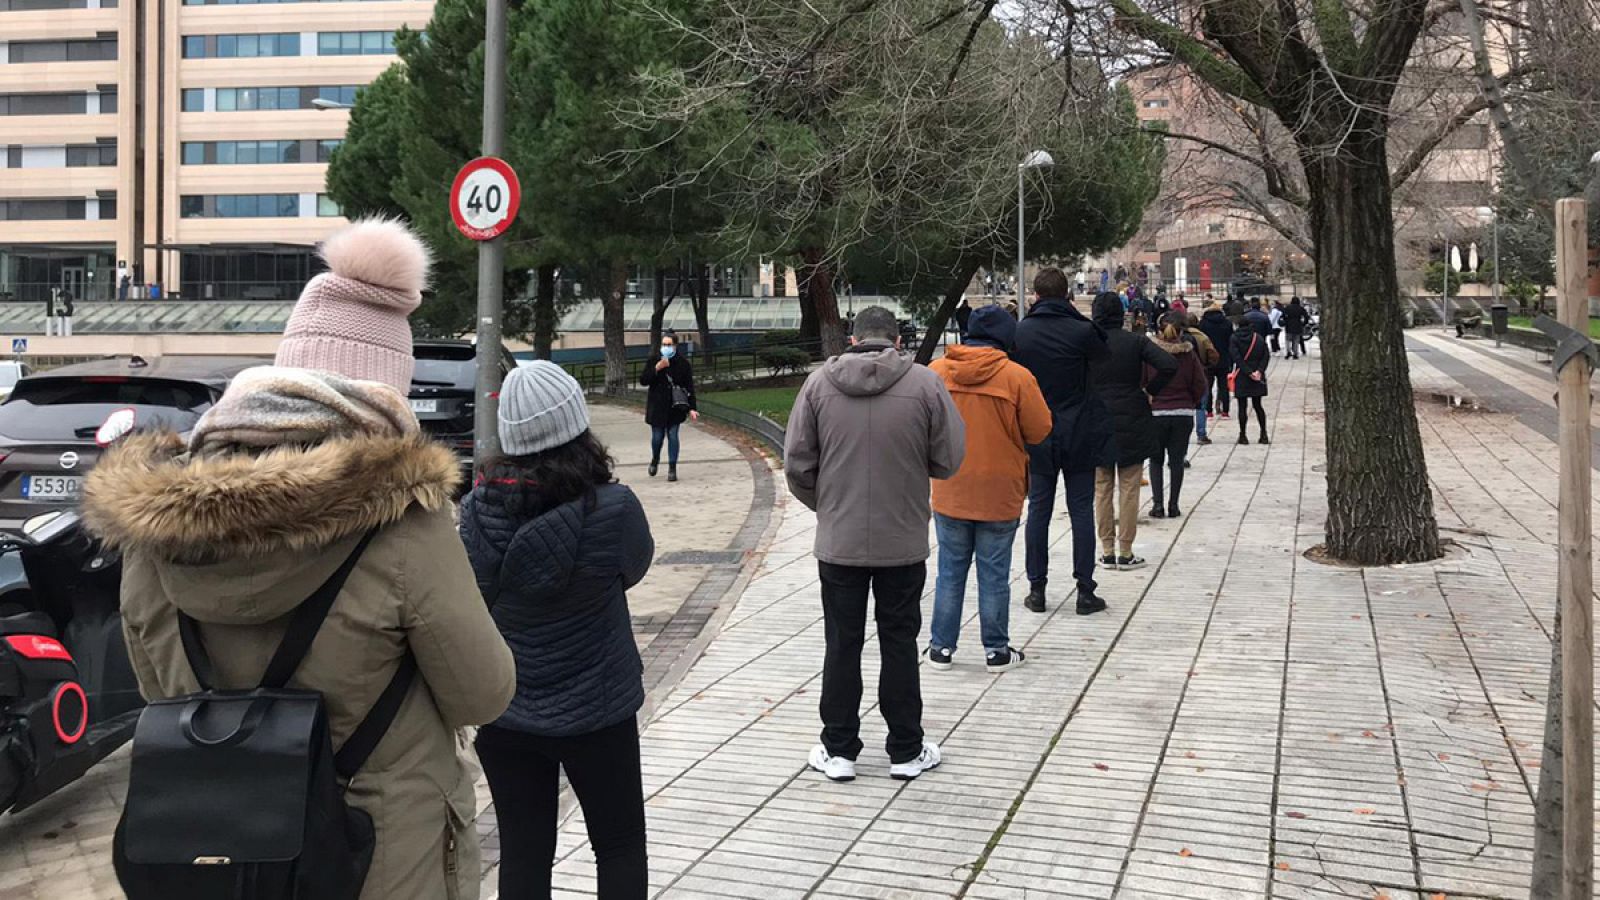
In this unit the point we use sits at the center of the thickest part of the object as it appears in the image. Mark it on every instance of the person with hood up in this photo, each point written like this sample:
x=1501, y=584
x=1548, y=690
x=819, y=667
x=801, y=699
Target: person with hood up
x=556, y=543
x=1057, y=344
x=976, y=511
x=1209, y=358
x=868, y=432
x=1216, y=325
x=1171, y=408
x=1119, y=379
x=1250, y=358
x=1295, y=318
x=274, y=489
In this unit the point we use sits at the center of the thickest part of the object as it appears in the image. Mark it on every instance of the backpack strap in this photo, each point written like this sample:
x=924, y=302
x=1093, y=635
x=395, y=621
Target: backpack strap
x=349, y=759
x=307, y=620
x=195, y=651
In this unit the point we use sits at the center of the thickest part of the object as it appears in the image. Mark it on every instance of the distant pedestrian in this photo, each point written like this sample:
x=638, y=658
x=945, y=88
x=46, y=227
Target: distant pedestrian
x=976, y=511
x=1295, y=319
x=556, y=543
x=669, y=401
x=1214, y=322
x=1119, y=378
x=1057, y=343
x=1234, y=307
x=301, y=468
x=1250, y=358
x=1275, y=319
x=868, y=432
x=1210, y=357
x=1173, y=409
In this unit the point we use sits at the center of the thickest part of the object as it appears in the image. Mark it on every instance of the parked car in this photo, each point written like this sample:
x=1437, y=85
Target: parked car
x=442, y=392
x=11, y=371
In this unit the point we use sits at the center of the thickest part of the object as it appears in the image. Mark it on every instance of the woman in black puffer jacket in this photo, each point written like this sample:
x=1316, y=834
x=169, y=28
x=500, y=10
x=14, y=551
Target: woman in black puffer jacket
x=555, y=543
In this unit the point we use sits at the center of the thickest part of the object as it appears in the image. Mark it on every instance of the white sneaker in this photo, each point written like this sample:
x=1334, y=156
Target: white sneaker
x=929, y=758
x=837, y=768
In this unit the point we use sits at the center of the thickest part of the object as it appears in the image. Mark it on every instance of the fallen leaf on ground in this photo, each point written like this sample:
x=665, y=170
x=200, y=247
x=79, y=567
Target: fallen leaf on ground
x=1283, y=867
x=1438, y=896
x=1186, y=852
x=1189, y=755
x=1444, y=757
x=1368, y=734
x=1295, y=815
x=1365, y=811
x=1102, y=767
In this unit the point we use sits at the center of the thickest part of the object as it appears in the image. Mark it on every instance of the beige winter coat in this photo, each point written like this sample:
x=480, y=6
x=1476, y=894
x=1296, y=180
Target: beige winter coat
x=238, y=541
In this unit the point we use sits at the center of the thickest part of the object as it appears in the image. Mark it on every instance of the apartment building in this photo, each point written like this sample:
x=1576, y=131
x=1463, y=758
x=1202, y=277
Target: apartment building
x=177, y=143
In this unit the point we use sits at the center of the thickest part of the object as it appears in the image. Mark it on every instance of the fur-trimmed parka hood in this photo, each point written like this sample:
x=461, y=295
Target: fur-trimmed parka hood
x=150, y=495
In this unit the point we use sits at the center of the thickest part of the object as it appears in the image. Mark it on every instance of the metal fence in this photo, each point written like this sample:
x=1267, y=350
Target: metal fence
x=756, y=425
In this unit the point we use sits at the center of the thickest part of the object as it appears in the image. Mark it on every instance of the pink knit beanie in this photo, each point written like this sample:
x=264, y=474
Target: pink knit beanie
x=351, y=319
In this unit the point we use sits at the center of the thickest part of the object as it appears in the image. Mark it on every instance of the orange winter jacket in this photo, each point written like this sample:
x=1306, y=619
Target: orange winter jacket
x=1004, y=412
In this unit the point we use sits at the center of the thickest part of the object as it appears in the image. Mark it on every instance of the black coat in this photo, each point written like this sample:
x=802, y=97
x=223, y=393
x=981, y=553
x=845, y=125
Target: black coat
x=1215, y=325
x=1250, y=354
x=1057, y=343
x=1295, y=318
x=658, y=411
x=555, y=583
x=1118, y=378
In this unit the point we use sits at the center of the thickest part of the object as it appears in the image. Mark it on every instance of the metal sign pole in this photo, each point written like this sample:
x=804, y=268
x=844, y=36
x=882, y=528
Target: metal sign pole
x=492, y=253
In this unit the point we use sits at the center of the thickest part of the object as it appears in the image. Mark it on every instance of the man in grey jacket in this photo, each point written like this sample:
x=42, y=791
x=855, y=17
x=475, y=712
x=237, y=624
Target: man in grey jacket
x=868, y=431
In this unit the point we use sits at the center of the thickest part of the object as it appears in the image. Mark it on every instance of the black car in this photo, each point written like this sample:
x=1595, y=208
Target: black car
x=442, y=389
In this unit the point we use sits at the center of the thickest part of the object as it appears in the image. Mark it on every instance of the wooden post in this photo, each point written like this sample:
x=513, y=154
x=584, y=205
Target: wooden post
x=1575, y=575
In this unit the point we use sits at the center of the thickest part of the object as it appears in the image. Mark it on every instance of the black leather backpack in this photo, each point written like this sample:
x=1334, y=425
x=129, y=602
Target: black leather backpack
x=238, y=795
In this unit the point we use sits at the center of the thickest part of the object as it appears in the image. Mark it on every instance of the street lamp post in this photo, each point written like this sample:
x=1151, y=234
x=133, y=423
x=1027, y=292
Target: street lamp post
x=1182, y=283
x=1038, y=159
x=1446, y=322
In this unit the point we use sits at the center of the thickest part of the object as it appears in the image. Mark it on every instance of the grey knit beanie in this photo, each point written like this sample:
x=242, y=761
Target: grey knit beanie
x=541, y=407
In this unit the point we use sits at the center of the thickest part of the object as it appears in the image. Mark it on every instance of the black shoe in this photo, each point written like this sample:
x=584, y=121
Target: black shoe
x=1244, y=441
x=1158, y=512
x=1263, y=440
x=1109, y=560
x=1035, y=601
x=1204, y=439
x=653, y=467
x=1090, y=605
x=940, y=657
x=1000, y=660
x=672, y=473
x=1130, y=562
x=1172, y=511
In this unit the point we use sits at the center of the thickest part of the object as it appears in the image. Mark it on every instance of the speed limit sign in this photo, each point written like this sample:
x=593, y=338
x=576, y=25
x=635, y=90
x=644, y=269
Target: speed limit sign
x=485, y=198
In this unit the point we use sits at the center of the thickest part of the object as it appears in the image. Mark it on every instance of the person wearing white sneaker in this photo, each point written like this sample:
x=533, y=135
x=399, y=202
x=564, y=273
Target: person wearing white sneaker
x=929, y=758
x=837, y=768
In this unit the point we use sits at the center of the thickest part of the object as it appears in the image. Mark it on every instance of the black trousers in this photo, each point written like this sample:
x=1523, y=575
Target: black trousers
x=1244, y=415
x=524, y=779
x=1172, y=443
x=1275, y=333
x=897, y=607
x=1219, y=392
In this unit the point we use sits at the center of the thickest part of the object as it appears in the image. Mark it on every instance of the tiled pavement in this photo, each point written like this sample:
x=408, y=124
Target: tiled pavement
x=1243, y=723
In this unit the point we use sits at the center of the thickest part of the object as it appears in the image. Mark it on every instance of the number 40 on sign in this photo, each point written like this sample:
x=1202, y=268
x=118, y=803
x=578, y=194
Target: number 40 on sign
x=485, y=198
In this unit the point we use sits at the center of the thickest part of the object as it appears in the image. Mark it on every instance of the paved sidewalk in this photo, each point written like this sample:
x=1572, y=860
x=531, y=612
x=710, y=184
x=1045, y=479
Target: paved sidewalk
x=1243, y=723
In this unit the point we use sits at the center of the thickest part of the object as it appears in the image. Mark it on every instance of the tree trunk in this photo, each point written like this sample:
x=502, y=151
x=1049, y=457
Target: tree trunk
x=941, y=317
x=816, y=279
x=702, y=307
x=810, y=325
x=658, y=309
x=544, y=313
x=1380, y=508
x=1547, y=806
x=616, y=337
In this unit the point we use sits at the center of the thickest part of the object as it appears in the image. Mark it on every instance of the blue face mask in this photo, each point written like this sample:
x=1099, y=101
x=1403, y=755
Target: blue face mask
x=669, y=352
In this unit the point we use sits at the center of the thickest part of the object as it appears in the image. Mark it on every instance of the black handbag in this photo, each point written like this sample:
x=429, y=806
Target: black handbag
x=238, y=795
x=680, y=398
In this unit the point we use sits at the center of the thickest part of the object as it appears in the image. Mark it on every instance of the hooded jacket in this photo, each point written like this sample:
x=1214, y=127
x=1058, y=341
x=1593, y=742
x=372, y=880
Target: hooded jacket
x=1219, y=329
x=238, y=541
x=1295, y=317
x=1187, y=388
x=1004, y=413
x=868, y=431
x=556, y=585
x=1119, y=379
x=1250, y=355
x=1057, y=343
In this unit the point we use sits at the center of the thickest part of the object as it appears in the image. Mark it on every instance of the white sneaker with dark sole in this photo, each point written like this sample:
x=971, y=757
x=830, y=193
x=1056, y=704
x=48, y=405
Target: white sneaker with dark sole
x=929, y=758
x=837, y=768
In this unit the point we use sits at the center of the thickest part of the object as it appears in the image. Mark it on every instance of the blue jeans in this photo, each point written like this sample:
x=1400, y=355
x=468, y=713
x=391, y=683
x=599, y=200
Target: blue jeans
x=668, y=434
x=1042, y=475
x=960, y=542
x=1200, y=414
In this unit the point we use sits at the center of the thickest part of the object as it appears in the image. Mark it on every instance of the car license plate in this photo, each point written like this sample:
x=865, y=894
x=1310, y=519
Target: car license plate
x=52, y=487
x=424, y=406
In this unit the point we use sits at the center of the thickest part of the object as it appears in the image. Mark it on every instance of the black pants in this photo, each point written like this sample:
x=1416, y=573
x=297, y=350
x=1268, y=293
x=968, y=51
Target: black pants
x=1275, y=333
x=1172, y=443
x=1244, y=415
x=1042, y=475
x=1219, y=392
x=897, y=606
x=524, y=779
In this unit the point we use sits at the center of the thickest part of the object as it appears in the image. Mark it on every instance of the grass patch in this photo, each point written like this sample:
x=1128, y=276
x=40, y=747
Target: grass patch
x=1527, y=322
x=772, y=402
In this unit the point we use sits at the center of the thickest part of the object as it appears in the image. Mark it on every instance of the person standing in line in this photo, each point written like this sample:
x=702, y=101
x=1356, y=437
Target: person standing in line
x=556, y=543
x=976, y=512
x=300, y=466
x=1250, y=358
x=1057, y=344
x=1214, y=322
x=669, y=401
x=1275, y=319
x=868, y=432
x=1295, y=318
x=1119, y=379
x=1171, y=408
x=1210, y=357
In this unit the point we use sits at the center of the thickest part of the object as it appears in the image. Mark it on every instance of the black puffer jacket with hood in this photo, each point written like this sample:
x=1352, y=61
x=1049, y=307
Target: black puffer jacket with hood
x=1118, y=378
x=555, y=580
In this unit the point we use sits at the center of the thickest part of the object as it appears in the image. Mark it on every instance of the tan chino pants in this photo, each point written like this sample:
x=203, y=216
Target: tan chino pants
x=1117, y=525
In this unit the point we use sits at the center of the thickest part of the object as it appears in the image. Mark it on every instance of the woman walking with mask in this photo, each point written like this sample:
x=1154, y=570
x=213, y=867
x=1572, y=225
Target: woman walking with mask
x=669, y=401
x=555, y=543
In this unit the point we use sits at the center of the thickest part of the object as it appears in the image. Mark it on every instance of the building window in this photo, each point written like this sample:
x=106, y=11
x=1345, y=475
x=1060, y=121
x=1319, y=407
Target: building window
x=108, y=102
x=83, y=155
x=354, y=43
x=237, y=46
x=47, y=209
x=194, y=153
x=108, y=207
x=64, y=51
x=43, y=104
x=194, y=100
x=1157, y=103
x=345, y=95
x=40, y=5
x=239, y=206
x=326, y=206
x=325, y=150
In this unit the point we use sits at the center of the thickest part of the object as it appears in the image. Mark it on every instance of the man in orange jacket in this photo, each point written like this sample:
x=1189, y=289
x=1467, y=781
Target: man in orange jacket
x=976, y=511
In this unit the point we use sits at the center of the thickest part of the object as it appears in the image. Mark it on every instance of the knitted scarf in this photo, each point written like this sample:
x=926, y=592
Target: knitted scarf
x=271, y=406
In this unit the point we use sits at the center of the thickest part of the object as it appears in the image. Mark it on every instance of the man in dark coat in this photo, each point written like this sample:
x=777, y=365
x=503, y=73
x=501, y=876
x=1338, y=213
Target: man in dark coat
x=1294, y=322
x=1214, y=322
x=1057, y=343
x=1118, y=377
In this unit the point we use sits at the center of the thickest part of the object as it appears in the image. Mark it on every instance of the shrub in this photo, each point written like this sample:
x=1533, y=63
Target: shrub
x=781, y=360
x=775, y=340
